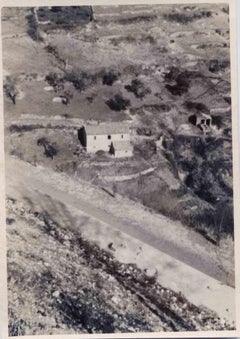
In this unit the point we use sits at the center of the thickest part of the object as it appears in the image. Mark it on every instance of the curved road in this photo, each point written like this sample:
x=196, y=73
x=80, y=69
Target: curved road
x=164, y=234
x=185, y=260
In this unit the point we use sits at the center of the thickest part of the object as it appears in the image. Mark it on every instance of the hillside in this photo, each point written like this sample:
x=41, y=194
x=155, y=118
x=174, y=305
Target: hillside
x=157, y=67
x=160, y=78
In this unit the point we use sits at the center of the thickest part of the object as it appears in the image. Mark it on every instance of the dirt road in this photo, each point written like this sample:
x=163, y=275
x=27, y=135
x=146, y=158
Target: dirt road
x=164, y=234
x=177, y=248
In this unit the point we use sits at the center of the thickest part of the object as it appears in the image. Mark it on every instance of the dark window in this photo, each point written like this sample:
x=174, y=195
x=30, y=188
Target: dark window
x=109, y=137
x=95, y=137
x=203, y=121
x=122, y=136
x=208, y=121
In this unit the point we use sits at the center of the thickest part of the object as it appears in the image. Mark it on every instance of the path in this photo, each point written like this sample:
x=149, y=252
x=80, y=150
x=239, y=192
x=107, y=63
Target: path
x=189, y=262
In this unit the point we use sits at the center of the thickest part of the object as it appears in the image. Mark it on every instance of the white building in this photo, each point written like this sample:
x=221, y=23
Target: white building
x=111, y=137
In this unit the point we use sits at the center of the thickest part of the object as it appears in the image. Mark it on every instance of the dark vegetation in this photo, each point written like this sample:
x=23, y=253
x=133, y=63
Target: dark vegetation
x=16, y=327
x=216, y=65
x=77, y=79
x=195, y=107
x=64, y=17
x=225, y=10
x=118, y=103
x=23, y=128
x=137, y=19
x=137, y=87
x=183, y=18
x=80, y=80
x=182, y=85
x=10, y=90
x=10, y=221
x=49, y=150
x=181, y=80
x=205, y=163
x=217, y=120
x=92, y=316
x=109, y=78
x=54, y=52
x=33, y=29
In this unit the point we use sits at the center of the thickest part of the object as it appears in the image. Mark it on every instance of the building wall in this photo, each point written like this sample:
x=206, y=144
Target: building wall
x=101, y=142
x=123, y=154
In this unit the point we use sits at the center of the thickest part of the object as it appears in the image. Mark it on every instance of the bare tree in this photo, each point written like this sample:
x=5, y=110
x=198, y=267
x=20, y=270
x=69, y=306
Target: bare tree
x=10, y=90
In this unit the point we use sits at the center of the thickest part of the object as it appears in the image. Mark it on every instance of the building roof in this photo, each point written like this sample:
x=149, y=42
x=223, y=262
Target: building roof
x=203, y=115
x=122, y=145
x=107, y=128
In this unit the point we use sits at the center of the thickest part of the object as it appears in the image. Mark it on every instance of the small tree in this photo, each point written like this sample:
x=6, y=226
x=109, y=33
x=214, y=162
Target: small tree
x=10, y=90
x=118, y=103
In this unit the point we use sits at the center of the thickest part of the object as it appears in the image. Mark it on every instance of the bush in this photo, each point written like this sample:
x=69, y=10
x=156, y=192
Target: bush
x=16, y=327
x=182, y=80
x=51, y=49
x=77, y=80
x=49, y=150
x=196, y=107
x=33, y=30
x=19, y=129
x=65, y=16
x=109, y=78
x=178, y=17
x=224, y=218
x=217, y=120
x=92, y=316
x=118, y=103
x=183, y=18
x=10, y=89
x=137, y=87
x=216, y=65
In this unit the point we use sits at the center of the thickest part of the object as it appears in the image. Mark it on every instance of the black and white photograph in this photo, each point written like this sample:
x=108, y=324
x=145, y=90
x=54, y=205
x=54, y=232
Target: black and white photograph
x=119, y=168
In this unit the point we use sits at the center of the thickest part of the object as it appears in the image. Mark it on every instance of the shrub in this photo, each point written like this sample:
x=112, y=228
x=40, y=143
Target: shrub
x=51, y=49
x=182, y=80
x=217, y=120
x=49, y=150
x=137, y=87
x=109, y=78
x=92, y=316
x=118, y=103
x=77, y=80
x=65, y=16
x=184, y=19
x=16, y=327
x=195, y=107
x=224, y=218
x=10, y=89
x=10, y=221
x=33, y=30
x=178, y=17
x=216, y=65
x=19, y=129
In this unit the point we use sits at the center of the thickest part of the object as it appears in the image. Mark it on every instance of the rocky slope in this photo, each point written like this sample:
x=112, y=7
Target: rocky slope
x=106, y=296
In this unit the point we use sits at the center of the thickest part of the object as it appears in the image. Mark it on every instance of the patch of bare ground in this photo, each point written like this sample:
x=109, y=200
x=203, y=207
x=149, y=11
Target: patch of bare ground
x=106, y=296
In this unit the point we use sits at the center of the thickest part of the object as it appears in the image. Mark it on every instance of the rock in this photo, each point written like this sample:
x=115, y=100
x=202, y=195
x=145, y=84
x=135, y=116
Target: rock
x=48, y=88
x=57, y=99
x=151, y=272
x=56, y=294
